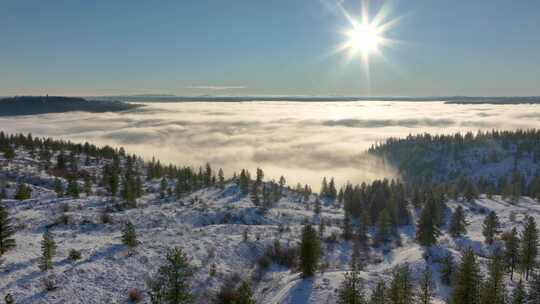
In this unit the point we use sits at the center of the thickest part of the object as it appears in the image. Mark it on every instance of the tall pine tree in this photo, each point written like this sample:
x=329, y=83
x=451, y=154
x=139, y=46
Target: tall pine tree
x=7, y=241
x=528, y=247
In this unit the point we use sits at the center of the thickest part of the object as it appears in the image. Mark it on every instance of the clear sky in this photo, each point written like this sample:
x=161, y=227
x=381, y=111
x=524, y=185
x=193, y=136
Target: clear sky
x=256, y=47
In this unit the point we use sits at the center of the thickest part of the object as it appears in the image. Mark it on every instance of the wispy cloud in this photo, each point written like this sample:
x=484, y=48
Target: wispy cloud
x=216, y=88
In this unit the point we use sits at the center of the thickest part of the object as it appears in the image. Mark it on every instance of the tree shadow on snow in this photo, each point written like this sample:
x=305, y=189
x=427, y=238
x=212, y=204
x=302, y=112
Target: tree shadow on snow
x=301, y=292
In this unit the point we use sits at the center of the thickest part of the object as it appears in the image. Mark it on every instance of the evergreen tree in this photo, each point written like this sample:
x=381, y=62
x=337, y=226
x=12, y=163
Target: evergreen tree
x=171, y=283
x=493, y=290
x=163, y=187
x=378, y=296
x=458, y=223
x=351, y=290
x=470, y=192
x=528, y=247
x=384, y=226
x=221, y=179
x=322, y=228
x=73, y=188
x=24, y=192
x=467, y=280
x=347, y=227
x=48, y=251
x=534, y=290
x=511, y=251
x=447, y=269
x=254, y=195
x=7, y=241
x=426, y=230
x=519, y=296
x=87, y=185
x=317, y=208
x=244, y=294
x=58, y=187
x=426, y=287
x=491, y=227
x=310, y=251
x=129, y=236
x=401, y=286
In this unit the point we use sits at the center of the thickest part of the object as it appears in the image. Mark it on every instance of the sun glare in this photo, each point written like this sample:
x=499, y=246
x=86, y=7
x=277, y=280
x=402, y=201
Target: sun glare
x=365, y=36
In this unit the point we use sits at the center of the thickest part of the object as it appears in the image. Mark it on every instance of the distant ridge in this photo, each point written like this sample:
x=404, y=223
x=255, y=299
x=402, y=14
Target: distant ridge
x=30, y=105
x=446, y=99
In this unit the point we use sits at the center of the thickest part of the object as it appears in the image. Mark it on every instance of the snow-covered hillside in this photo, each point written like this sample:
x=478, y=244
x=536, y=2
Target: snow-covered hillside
x=210, y=225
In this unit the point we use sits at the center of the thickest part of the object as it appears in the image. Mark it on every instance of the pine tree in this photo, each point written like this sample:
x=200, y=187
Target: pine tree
x=221, y=179
x=322, y=228
x=490, y=227
x=426, y=287
x=519, y=296
x=511, y=250
x=347, y=227
x=73, y=188
x=378, y=296
x=244, y=295
x=467, y=280
x=426, y=230
x=129, y=236
x=447, y=269
x=351, y=290
x=254, y=195
x=493, y=290
x=317, y=208
x=470, y=193
x=534, y=290
x=163, y=187
x=7, y=241
x=384, y=226
x=528, y=247
x=310, y=251
x=171, y=283
x=58, y=187
x=87, y=185
x=24, y=192
x=48, y=251
x=458, y=223
x=401, y=286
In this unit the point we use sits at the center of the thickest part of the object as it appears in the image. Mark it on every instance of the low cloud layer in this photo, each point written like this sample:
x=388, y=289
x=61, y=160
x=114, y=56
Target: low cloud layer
x=303, y=141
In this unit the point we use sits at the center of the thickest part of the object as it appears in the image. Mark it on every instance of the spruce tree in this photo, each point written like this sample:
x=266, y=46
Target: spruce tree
x=379, y=296
x=7, y=241
x=528, y=247
x=401, y=287
x=458, y=223
x=426, y=287
x=347, y=227
x=511, y=250
x=244, y=294
x=519, y=296
x=426, y=230
x=73, y=188
x=467, y=280
x=310, y=251
x=493, y=290
x=491, y=227
x=221, y=179
x=351, y=290
x=534, y=290
x=129, y=236
x=58, y=187
x=48, y=251
x=384, y=225
x=171, y=283
x=447, y=269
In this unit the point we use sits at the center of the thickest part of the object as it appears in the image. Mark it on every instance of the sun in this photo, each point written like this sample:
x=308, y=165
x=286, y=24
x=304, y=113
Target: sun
x=363, y=38
x=366, y=36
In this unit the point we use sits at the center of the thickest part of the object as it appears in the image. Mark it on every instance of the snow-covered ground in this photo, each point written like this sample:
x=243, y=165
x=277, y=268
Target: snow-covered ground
x=209, y=226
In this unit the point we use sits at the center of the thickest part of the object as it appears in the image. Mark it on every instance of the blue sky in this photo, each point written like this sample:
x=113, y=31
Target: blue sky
x=252, y=47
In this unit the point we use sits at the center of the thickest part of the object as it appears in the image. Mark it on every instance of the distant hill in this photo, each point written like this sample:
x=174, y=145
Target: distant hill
x=489, y=158
x=29, y=105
